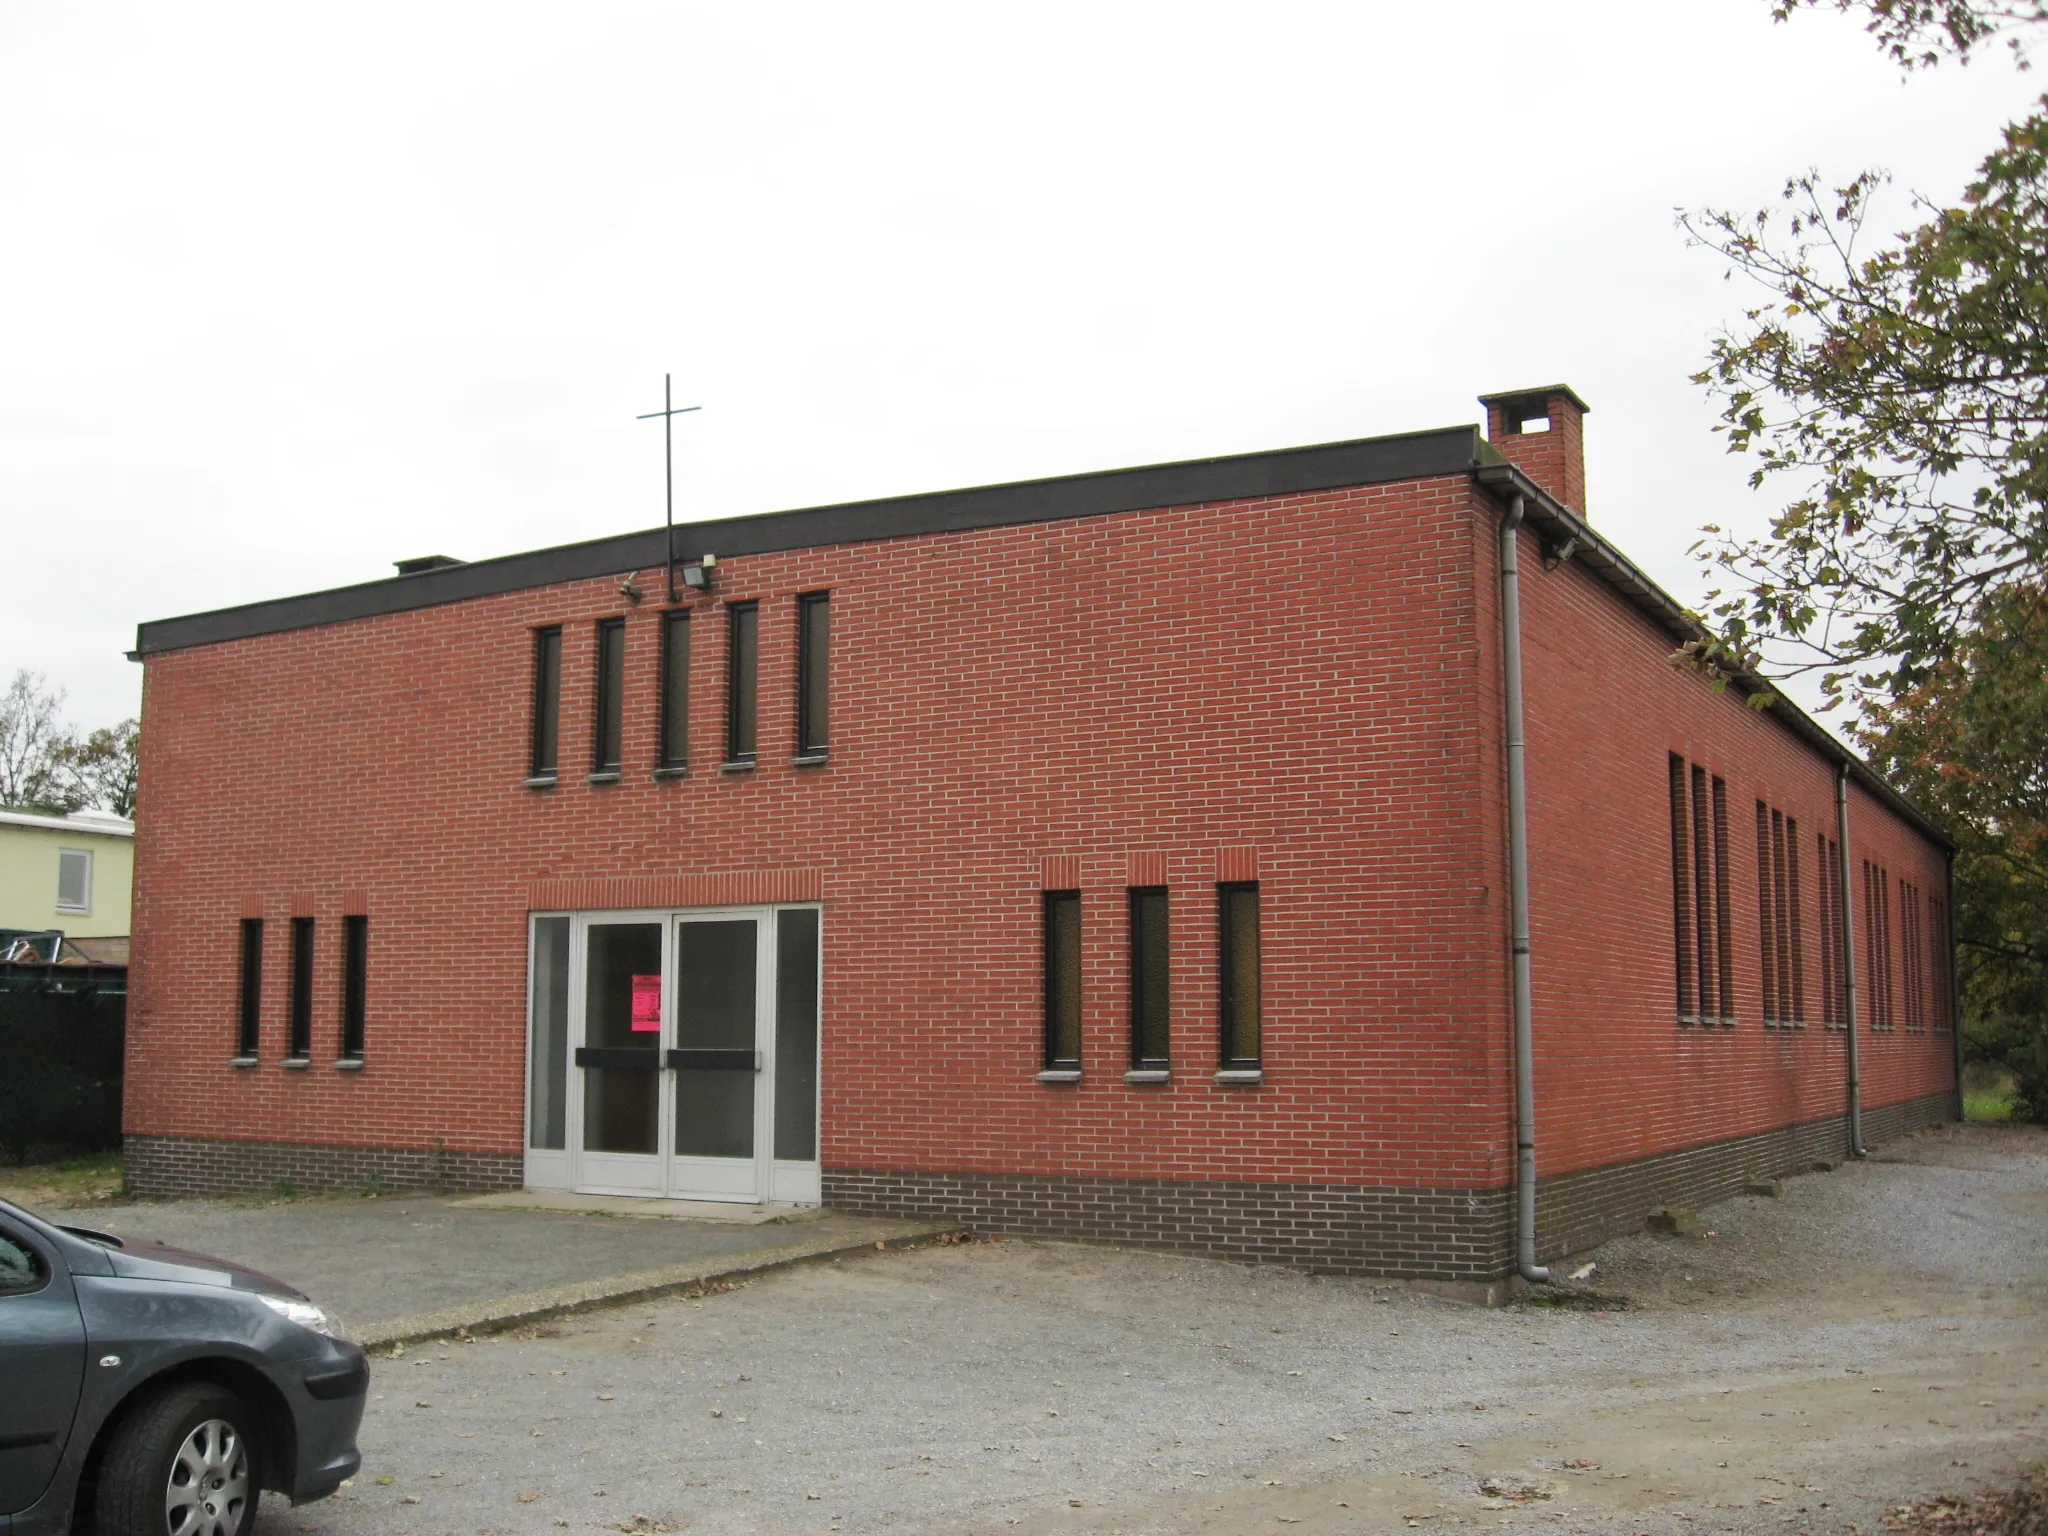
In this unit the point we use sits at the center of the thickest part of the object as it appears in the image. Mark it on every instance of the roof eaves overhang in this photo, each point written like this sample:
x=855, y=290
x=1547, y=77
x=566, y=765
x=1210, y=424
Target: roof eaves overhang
x=1192, y=482
x=1561, y=523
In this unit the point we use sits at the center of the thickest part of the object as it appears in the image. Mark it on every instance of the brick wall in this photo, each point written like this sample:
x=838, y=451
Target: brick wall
x=1281, y=683
x=1305, y=687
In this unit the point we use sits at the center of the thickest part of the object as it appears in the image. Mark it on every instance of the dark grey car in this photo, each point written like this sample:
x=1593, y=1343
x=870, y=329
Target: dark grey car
x=146, y=1391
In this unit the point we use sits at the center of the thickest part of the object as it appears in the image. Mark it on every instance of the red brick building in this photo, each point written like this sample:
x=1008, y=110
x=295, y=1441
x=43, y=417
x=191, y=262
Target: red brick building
x=1127, y=856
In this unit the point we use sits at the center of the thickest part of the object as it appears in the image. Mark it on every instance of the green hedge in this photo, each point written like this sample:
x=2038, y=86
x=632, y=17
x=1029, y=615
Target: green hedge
x=60, y=1071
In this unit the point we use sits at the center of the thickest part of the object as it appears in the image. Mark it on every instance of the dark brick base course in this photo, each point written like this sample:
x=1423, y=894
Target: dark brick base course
x=161, y=1166
x=1411, y=1234
x=1418, y=1234
x=1580, y=1210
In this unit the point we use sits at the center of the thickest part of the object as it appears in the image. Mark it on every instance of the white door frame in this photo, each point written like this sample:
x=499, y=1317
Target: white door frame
x=662, y=1174
x=615, y=1173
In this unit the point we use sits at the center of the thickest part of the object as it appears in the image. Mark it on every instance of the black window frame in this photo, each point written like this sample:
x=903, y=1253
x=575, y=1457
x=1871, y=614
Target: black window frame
x=355, y=984
x=608, y=711
x=1150, y=912
x=813, y=674
x=544, y=748
x=1063, y=994
x=1702, y=909
x=299, y=1016
x=249, y=1002
x=672, y=747
x=1229, y=910
x=742, y=682
x=1682, y=894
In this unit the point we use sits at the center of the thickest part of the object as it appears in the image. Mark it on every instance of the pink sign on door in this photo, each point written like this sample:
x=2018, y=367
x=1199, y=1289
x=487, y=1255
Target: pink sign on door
x=647, y=1003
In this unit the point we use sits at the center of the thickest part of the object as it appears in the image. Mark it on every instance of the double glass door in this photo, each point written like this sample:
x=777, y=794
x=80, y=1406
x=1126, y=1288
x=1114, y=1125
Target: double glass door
x=675, y=1054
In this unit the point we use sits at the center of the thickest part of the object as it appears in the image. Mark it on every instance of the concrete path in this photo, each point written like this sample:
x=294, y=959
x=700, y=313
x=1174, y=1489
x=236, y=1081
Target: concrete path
x=400, y=1268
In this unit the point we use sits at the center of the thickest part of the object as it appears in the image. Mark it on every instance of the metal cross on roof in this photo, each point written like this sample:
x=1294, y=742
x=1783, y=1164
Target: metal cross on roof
x=668, y=414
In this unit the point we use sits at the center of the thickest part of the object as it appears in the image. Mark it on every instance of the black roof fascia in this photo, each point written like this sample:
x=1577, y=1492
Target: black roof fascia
x=1627, y=578
x=1282, y=472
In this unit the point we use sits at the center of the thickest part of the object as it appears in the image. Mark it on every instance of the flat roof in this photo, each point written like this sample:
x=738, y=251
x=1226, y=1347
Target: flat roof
x=92, y=823
x=1282, y=472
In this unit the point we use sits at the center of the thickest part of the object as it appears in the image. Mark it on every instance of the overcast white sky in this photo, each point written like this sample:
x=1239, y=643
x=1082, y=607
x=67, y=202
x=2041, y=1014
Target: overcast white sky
x=290, y=292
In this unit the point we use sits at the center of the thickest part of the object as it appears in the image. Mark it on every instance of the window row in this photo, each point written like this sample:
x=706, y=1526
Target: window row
x=1923, y=957
x=742, y=638
x=1702, y=925
x=350, y=1015
x=1148, y=996
x=1703, y=920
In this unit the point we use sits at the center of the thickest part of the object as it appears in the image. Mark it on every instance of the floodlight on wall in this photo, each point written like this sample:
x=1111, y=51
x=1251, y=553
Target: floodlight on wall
x=698, y=577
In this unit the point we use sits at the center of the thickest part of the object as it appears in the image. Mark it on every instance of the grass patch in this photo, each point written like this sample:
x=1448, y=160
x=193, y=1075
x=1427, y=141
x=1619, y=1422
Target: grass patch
x=96, y=1176
x=1987, y=1108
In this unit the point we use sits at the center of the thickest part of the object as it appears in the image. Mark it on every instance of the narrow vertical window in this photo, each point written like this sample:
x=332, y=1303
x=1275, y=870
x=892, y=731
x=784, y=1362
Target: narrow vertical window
x=1834, y=934
x=355, y=984
x=1724, y=936
x=742, y=656
x=1150, y=1009
x=547, y=701
x=1938, y=936
x=1796, y=948
x=611, y=696
x=1824, y=914
x=1912, y=957
x=796, y=1034
x=813, y=653
x=250, y=1024
x=1238, y=967
x=1062, y=944
x=1781, y=920
x=547, y=1093
x=1703, y=898
x=299, y=1045
x=1681, y=893
x=1877, y=931
x=675, y=690
x=1767, y=926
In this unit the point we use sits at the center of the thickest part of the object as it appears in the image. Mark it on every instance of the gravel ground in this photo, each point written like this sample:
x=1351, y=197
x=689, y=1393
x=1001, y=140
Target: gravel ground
x=1879, y=1333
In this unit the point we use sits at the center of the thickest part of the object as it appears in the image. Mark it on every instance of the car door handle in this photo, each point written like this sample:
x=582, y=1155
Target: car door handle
x=24, y=1442
x=715, y=1061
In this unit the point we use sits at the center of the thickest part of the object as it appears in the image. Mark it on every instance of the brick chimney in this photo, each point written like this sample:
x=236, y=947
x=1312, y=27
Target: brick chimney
x=1542, y=431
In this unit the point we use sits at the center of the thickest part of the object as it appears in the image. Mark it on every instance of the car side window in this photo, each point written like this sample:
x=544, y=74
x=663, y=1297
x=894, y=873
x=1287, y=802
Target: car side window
x=19, y=1268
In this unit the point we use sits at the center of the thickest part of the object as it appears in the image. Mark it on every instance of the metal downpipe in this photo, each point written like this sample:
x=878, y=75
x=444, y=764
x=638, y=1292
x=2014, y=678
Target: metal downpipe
x=1848, y=906
x=1518, y=900
x=1954, y=1000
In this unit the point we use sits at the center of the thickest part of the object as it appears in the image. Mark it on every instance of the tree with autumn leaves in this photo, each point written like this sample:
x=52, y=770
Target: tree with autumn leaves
x=1897, y=388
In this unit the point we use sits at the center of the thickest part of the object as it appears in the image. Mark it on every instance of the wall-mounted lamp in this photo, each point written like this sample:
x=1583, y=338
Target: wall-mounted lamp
x=698, y=577
x=1555, y=555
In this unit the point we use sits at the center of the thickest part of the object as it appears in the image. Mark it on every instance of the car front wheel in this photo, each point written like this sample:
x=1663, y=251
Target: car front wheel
x=181, y=1464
